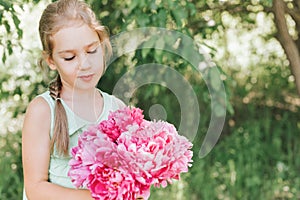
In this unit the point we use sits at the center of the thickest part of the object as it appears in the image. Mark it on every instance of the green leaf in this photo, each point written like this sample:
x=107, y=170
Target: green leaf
x=1, y=15
x=133, y=5
x=179, y=14
x=4, y=57
x=229, y=107
x=9, y=47
x=17, y=23
x=158, y=56
x=7, y=26
x=145, y=52
x=143, y=20
x=192, y=8
x=6, y=4
x=162, y=17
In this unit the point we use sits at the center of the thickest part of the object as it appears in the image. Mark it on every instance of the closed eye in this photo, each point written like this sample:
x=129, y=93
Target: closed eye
x=69, y=58
x=93, y=51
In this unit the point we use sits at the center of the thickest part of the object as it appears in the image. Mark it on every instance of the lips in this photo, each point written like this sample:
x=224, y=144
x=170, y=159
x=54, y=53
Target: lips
x=86, y=77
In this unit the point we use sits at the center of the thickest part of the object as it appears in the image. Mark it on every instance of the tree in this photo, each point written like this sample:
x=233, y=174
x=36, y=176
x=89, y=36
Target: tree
x=190, y=17
x=285, y=14
x=290, y=44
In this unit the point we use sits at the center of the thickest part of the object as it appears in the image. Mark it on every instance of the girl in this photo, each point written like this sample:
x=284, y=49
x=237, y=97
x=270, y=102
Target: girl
x=76, y=46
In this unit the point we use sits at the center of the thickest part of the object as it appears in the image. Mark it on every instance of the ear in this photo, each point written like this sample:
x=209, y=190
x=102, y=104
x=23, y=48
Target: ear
x=49, y=61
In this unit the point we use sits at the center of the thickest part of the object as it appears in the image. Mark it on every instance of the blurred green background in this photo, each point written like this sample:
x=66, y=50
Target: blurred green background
x=258, y=153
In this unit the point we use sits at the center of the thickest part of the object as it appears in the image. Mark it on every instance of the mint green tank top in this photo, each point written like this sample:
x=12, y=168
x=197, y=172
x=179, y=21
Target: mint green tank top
x=58, y=168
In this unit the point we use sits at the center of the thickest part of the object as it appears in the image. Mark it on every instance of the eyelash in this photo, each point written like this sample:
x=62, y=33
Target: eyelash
x=69, y=59
x=92, y=52
x=89, y=52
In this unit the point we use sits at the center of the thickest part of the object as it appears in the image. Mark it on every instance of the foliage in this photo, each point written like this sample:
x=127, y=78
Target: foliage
x=256, y=161
x=11, y=33
x=259, y=143
x=11, y=166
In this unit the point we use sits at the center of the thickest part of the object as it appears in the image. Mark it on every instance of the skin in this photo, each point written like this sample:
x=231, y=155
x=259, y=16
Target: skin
x=78, y=58
x=80, y=65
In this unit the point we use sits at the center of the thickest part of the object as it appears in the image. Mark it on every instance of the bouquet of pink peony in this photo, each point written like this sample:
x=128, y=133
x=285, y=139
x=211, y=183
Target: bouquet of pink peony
x=122, y=157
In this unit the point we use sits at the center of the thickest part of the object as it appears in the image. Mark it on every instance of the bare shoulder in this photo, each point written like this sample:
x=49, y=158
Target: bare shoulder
x=38, y=115
x=38, y=104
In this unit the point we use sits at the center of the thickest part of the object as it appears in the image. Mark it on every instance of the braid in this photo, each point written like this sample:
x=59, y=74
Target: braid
x=55, y=88
x=60, y=138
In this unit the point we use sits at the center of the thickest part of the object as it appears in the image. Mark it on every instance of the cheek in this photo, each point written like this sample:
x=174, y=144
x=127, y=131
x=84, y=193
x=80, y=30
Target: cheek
x=68, y=69
x=97, y=60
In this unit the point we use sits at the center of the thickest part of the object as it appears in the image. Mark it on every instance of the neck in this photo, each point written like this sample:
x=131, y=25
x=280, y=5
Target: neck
x=85, y=103
x=79, y=95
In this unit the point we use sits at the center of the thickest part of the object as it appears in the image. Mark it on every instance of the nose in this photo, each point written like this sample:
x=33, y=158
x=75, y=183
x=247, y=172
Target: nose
x=84, y=62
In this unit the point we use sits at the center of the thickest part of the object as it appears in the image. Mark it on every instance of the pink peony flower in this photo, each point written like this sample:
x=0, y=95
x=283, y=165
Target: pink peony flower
x=110, y=183
x=119, y=120
x=123, y=156
x=156, y=153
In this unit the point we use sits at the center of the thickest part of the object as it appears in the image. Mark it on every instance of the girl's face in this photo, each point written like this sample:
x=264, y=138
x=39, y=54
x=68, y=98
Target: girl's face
x=77, y=56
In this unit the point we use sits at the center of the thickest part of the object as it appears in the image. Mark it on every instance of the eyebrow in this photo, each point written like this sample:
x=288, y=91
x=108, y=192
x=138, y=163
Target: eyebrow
x=87, y=46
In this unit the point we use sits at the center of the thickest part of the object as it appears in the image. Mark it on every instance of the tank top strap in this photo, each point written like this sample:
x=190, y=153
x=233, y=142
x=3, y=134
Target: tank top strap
x=74, y=123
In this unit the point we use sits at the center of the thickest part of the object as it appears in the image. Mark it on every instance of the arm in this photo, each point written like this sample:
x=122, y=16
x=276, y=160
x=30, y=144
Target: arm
x=36, y=157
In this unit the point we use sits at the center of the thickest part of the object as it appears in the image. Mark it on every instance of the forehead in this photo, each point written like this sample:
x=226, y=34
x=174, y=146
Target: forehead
x=74, y=37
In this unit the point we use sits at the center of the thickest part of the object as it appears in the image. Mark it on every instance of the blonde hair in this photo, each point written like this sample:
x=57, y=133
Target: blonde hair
x=57, y=15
